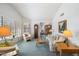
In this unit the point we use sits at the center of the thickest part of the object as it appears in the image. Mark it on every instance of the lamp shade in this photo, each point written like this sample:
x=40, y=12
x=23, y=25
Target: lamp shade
x=67, y=33
x=4, y=31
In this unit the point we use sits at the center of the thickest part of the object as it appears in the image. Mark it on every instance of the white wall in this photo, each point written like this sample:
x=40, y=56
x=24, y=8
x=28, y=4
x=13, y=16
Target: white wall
x=37, y=12
x=11, y=16
x=41, y=12
x=71, y=14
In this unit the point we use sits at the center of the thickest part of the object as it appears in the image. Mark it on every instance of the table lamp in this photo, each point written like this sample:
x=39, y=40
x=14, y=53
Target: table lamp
x=4, y=31
x=68, y=35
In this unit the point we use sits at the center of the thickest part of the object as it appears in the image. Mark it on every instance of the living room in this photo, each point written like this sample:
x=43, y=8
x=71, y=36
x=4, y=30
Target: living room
x=37, y=29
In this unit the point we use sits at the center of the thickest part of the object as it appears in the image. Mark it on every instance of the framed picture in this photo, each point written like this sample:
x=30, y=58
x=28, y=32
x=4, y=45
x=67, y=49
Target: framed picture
x=62, y=26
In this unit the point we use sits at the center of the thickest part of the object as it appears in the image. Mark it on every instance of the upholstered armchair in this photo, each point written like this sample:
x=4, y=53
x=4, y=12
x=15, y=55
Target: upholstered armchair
x=26, y=36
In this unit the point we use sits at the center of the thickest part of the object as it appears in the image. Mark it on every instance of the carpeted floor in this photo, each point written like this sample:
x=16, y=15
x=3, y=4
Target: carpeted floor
x=30, y=49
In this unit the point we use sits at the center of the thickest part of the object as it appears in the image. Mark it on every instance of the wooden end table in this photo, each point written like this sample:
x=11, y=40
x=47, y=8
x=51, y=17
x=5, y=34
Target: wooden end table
x=63, y=48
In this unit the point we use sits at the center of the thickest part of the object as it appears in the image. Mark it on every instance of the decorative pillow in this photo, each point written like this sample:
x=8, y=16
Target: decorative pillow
x=60, y=38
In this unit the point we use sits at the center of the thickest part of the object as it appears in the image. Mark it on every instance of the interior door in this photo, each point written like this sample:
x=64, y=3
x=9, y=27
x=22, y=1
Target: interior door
x=36, y=31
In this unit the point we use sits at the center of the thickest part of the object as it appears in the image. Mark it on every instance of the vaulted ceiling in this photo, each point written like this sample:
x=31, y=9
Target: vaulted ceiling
x=36, y=11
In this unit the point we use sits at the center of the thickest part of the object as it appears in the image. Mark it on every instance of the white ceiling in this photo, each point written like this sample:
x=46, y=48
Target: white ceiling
x=36, y=11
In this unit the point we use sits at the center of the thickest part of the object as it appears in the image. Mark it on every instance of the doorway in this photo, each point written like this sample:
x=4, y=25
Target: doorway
x=36, y=31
